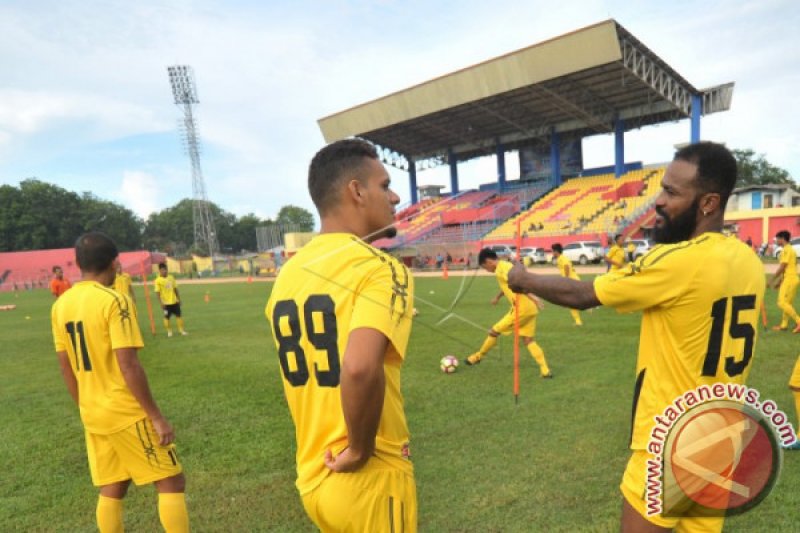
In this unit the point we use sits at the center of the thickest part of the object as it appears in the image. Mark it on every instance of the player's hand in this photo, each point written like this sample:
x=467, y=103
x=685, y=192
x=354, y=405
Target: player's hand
x=495, y=300
x=347, y=461
x=516, y=276
x=164, y=430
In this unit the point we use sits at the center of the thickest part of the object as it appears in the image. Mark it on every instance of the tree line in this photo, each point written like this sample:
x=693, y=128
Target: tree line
x=36, y=215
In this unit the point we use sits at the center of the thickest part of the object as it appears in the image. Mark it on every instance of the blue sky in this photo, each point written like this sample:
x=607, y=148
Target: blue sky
x=85, y=101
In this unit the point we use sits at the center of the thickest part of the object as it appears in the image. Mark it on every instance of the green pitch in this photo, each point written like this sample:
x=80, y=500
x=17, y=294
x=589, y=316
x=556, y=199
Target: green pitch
x=550, y=463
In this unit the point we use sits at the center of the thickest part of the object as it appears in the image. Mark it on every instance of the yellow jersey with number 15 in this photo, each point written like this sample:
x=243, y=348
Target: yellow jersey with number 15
x=700, y=301
x=335, y=284
x=90, y=322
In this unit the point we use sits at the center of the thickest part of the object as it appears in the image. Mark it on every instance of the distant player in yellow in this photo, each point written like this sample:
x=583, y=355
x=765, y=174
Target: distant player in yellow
x=96, y=339
x=566, y=269
x=123, y=284
x=786, y=278
x=167, y=289
x=630, y=251
x=699, y=292
x=340, y=313
x=616, y=255
x=528, y=310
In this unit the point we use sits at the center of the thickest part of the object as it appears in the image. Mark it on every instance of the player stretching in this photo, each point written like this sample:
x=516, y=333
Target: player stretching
x=616, y=255
x=568, y=271
x=96, y=337
x=528, y=309
x=700, y=293
x=167, y=289
x=786, y=277
x=340, y=313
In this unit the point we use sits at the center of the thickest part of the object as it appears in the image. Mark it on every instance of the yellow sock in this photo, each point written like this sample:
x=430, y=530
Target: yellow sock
x=109, y=515
x=487, y=345
x=166, y=325
x=538, y=356
x=576, y=315
x=172, y=512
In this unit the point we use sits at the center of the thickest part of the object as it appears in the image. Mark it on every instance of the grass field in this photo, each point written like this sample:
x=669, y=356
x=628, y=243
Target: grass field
x=551, y=463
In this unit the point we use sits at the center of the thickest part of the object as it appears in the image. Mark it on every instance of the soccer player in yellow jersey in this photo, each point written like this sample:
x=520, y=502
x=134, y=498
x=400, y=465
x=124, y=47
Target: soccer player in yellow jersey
x=340, y=312
x=616, y=255
x=167, y=289
x=528, y=310
x=786, y=278
x=124, y=285
x=699, y=292
x=127, y=437
x=566, y=269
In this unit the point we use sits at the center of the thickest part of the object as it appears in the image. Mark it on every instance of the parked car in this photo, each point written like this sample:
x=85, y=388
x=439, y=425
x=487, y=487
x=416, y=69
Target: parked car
x=584, y=252
x=642, y=247
x=776, y=250
x=535, y=255
x=504, y=251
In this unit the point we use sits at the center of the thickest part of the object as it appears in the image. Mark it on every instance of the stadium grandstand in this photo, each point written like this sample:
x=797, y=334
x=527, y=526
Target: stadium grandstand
x=541, y=102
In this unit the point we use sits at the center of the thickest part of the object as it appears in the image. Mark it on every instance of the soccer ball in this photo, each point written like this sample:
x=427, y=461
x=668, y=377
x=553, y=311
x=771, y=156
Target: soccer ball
x=448, y=364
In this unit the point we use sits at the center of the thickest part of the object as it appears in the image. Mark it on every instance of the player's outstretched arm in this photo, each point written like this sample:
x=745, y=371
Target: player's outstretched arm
x=68, y=375
x=362, y=387
x=777, y=277
x=136, y=380
x=555, y=289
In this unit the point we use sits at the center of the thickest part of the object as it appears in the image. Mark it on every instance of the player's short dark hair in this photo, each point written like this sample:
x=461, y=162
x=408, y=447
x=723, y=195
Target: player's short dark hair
x=617, y=236
x=785, y=235
x=557, y=247
x=485, y=255
x=162, y=265
x=56, y=267
x=716, y=168
x=332, y=165
x=95, y=251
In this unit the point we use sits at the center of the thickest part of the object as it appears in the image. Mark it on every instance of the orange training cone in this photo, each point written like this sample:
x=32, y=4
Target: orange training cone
x=207, y=297
x=444, y=271
x=249, y=279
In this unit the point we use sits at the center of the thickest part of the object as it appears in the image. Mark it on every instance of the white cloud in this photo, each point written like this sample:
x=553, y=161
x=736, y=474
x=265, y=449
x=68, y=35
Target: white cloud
x=139, y=192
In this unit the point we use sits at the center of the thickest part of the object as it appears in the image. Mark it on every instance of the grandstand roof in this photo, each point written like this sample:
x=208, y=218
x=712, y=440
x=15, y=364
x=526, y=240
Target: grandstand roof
x=575, y=84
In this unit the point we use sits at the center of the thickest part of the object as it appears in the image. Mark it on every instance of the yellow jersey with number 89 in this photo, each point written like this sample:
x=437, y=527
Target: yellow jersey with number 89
x=335, y=284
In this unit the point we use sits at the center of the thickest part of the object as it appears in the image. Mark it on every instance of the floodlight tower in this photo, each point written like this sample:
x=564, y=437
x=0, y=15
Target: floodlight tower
x=181, y=77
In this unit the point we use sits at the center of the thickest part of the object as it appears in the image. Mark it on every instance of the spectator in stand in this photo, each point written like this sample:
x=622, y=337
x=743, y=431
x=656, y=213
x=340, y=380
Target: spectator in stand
x=59, y=284
x=449, y=258
x=439, y=260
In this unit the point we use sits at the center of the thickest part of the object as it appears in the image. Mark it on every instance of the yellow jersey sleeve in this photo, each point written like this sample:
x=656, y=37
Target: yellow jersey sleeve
x=384, y=303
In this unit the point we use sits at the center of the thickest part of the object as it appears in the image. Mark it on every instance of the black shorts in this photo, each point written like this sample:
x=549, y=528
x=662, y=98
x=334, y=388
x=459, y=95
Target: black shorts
x=172, y=310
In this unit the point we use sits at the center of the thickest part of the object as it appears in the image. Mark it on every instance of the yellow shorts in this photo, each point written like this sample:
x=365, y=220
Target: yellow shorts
x=794, y=381
x=633, y=487
x=372, y=499
x=132, y=453
x=527, y=325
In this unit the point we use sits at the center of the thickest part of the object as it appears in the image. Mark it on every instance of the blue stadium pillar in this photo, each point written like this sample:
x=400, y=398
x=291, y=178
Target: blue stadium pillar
x=697, y=109
x=619, y=147
x=412, y=179
x=555, y=157
x=451, y=159
x=501, y=165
